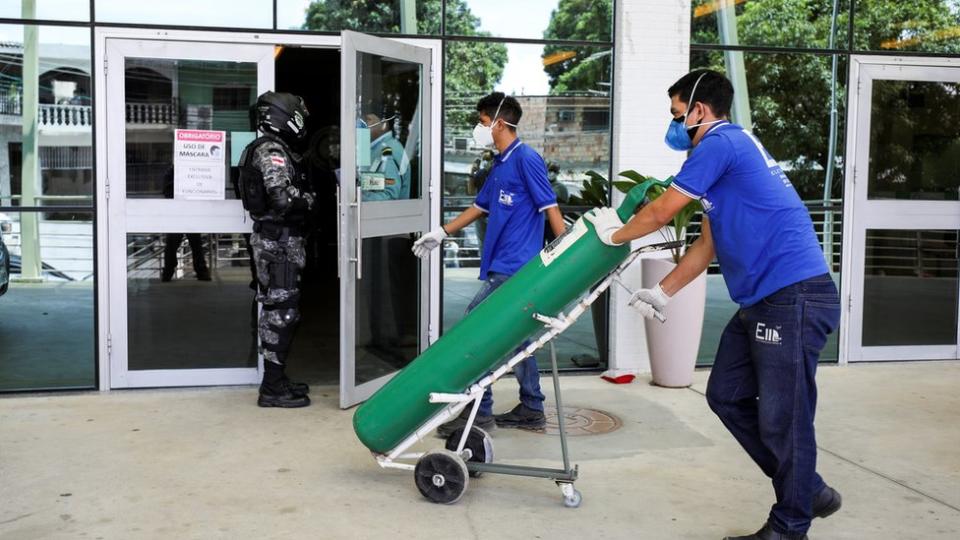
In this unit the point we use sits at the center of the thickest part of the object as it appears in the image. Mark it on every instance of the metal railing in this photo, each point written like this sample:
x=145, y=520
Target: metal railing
x=11, y=104
x=145, y=253
x=912, y=253
x=52, y=198
x=825, y=218
x=147, y=113
x=66, y=116
x=66, y=248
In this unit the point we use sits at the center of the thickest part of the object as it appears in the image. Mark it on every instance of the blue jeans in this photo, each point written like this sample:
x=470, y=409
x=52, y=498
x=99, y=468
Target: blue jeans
x=763, y=388
x=526, y=371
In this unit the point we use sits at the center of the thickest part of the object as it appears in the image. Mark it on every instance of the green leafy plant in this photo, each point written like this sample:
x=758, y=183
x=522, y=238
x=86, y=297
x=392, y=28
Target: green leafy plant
x=595, y=194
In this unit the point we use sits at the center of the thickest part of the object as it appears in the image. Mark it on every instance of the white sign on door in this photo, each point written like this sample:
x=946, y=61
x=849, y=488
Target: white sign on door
x=199, y=166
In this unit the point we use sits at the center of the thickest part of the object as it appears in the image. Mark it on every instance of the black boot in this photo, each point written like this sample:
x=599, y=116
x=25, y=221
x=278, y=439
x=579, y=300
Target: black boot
x=298, y=387
x=483, y=422
x=521, y=417
x=826, y=502
x=277, y=391
x=767, y=533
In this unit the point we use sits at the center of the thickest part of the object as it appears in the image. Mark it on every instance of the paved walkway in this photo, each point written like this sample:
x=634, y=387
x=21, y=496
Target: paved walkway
x=204, y=464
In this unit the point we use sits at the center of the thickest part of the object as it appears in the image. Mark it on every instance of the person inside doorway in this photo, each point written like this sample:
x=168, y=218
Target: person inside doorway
x=274, y=191
x=388, y=177
x=515, y=197
x=762, y=385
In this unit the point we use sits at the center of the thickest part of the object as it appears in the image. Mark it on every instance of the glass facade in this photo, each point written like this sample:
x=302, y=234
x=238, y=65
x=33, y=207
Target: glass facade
x=788, y=60
x=46, y=206
x=555, y=56
x=564, y=91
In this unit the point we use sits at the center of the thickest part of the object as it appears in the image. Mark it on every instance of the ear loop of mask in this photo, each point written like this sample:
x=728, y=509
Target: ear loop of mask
x=382, y=121
x=686, y=113
x=690, y=103
x=496, y=114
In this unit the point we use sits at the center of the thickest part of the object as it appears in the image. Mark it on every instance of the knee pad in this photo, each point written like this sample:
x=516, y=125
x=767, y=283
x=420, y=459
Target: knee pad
x=277, y=324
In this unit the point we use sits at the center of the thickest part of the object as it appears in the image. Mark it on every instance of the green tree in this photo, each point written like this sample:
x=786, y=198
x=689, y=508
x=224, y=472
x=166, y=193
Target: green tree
x=790, y=92
x=572, y=69
x=471, y=68
x=380, y=16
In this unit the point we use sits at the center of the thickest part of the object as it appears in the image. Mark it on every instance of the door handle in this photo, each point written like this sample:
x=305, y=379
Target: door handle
x=359, y=241
x=339, y=255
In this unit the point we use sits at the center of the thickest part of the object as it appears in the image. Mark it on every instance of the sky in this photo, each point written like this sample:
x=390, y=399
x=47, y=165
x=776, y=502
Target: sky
x=523, y=74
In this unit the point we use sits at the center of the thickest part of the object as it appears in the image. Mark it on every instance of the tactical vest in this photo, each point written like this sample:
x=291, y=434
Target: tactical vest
x=253, y=191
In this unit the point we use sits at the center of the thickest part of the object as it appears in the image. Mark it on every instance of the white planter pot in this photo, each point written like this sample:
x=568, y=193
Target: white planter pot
x=673, y=345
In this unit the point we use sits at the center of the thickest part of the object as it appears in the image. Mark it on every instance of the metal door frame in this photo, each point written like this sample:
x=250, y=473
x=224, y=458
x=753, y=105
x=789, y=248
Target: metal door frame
x=360, y=220
x=153, y=215
x=103, y=154
x=860, y=214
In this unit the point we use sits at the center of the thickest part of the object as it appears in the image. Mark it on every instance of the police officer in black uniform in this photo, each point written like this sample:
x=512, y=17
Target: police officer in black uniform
x=275, y=192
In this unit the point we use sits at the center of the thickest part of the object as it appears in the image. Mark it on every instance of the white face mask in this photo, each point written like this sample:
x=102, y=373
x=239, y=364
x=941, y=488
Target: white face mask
x=483, y=135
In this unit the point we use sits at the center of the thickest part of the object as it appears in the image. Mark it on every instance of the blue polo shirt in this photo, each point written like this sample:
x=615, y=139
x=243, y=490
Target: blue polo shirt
x=762, y=232
x=515, y=195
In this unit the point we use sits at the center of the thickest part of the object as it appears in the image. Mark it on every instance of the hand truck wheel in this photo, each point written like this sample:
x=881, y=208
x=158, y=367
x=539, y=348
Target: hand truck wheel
x=441, y=476
x=571, y=496
x=479, y=443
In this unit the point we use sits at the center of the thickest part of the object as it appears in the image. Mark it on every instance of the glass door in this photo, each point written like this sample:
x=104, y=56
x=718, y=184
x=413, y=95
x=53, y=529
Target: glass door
x=182, y=309
x=903, y=210
x=384, y=205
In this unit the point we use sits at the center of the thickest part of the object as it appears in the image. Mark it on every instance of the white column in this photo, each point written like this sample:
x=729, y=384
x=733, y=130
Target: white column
x=652, y=42
x=30, y=263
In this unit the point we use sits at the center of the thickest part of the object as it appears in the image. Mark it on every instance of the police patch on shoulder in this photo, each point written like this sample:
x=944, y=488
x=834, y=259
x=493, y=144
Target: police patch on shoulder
x=278, y=160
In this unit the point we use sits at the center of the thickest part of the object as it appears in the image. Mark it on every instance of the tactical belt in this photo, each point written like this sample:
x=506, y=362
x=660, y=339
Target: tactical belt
x=277, y=231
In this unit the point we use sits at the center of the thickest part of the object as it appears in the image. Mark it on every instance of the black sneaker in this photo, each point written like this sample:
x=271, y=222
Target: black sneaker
x=767, y=533
x=203, y=275
x=484, y=422
x=521, y=417
x=827, y=502
x=283, y=396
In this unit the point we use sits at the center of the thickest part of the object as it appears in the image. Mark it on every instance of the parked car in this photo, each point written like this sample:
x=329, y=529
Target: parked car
x=5, y=228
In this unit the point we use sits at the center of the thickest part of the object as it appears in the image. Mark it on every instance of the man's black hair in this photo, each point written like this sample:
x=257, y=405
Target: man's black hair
x=714, y=90
x=510, y=111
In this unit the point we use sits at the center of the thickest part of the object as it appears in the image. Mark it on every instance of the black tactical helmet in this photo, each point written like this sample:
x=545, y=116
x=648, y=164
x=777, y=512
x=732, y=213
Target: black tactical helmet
x=283, y=115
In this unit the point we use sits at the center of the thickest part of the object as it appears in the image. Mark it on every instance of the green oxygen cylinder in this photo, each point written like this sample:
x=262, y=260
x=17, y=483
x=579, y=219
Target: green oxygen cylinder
x=563, y=270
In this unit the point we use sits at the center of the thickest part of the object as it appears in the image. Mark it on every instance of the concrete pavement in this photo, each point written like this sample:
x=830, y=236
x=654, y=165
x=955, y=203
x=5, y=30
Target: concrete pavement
x=207, y=463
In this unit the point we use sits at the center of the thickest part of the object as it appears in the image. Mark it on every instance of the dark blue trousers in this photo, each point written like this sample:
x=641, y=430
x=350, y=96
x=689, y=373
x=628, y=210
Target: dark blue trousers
x=526, y=371
x=763, y=388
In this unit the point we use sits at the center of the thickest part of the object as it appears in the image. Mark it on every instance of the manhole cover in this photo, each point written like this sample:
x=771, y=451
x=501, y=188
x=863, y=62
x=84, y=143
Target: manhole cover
x=580, y=421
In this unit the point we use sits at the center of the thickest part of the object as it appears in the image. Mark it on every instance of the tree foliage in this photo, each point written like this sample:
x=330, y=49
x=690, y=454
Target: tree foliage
x=471, y=67
x=572, y=69
x=790, y=92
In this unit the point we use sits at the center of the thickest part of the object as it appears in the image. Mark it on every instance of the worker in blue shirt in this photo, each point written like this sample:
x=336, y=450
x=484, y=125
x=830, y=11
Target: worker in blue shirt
x=514, y=197
x=762, y=385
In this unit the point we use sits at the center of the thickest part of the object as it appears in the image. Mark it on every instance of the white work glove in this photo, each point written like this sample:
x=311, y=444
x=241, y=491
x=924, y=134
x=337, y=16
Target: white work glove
x=429, y=242
x=606, y=222
x=650, y=302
